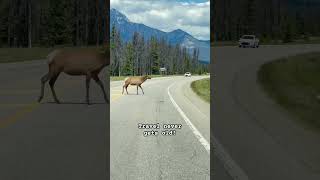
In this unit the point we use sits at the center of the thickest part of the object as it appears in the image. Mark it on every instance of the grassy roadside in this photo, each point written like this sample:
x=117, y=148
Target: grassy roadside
x=28, y=54
x=23, y=54
x=315, y=40
x=202, y=88
x=294, y=83
x=120, y=78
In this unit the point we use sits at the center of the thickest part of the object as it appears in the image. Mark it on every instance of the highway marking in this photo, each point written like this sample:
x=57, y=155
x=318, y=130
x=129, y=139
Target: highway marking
x=17, y=92
x=13, y=118
x=14, y=105
x=115, y=97
x=27, y=108
x=195, y=131
x=233, y=169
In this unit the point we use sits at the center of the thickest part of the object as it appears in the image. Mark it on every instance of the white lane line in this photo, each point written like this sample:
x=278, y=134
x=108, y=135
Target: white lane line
x=233, y=169
x=195, y=131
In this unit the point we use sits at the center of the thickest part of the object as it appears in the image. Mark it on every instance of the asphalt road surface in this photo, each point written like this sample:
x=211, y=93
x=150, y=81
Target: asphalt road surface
x=169, y=100
x=48, y=141
x=253, y=137
x=261, y=140
x=69, y=140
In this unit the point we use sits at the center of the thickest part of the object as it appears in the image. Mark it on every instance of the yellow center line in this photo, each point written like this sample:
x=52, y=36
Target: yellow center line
x=13, y=118
x=14, y=105
x=13, y=92
x=115, y=97
x=28, y=108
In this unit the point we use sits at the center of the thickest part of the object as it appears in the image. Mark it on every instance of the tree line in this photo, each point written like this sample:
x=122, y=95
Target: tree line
x=284, y=20
x=141, y=56
x=28, y=23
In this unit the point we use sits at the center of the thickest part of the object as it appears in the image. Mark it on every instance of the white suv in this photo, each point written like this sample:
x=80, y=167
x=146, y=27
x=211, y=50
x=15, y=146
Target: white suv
x=187, y=74
x=249, y=41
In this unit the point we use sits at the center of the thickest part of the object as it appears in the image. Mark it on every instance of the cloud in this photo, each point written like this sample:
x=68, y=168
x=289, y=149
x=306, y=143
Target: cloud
x=190, y=16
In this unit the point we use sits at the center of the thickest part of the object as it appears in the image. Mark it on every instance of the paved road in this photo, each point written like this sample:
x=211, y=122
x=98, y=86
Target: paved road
x=261, y=139
x=69, y=141
x=182, y=156
x=253, y=137
x=48, y=141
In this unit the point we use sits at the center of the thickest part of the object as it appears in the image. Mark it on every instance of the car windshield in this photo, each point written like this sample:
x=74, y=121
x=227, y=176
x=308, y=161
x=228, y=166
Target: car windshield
x=247, y=37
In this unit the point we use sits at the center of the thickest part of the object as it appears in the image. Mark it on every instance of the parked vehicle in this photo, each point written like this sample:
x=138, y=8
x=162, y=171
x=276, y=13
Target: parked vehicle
x=249, y=41
x=187, y=74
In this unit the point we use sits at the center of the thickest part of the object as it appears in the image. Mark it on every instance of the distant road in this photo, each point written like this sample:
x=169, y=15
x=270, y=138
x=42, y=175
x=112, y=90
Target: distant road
x=262, y=139
x=48, y=141
x=166, y=100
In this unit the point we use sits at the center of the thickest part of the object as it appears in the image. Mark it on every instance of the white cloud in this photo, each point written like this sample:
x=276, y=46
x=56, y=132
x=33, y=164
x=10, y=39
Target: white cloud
x=167, y=15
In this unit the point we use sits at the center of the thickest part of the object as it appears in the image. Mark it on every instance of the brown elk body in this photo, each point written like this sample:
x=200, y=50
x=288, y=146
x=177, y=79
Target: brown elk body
x=75, y=63
x=135, y=81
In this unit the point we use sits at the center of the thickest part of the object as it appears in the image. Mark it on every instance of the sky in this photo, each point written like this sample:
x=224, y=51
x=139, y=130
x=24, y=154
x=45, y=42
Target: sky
x=192, y=16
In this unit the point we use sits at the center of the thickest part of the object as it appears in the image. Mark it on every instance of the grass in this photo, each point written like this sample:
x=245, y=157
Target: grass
x=312, y=40
x=23, y=54
x=294, y=83
x=120, y=78
x=202, y=88
x=27, y=54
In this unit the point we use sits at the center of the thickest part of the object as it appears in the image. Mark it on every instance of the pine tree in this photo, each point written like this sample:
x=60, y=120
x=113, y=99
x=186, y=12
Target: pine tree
x=128, y=65
x=155, y=64
x=59, y=26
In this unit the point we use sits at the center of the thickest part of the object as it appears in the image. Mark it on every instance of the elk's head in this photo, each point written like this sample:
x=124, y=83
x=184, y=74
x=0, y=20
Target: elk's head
x=146, y=77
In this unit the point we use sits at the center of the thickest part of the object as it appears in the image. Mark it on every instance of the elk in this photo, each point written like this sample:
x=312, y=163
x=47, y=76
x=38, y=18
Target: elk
x=75, y=63
x=135, y=81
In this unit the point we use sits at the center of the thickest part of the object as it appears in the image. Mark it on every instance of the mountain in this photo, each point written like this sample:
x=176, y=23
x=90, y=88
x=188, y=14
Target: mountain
x=127, y=29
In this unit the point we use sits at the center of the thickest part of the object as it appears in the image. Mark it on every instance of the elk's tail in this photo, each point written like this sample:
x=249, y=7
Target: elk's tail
x=51, y=56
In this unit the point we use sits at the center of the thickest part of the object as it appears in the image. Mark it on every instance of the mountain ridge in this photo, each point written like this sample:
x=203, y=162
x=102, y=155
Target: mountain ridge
x=178, y=36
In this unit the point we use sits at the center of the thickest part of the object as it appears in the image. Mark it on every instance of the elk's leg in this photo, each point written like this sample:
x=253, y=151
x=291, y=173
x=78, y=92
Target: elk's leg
x=123, y=88
x=137, y=90
x=141, y=89
x=127, y=88
x=96, y=78
x=88, y=78
x=52, y=82
x=44, y=79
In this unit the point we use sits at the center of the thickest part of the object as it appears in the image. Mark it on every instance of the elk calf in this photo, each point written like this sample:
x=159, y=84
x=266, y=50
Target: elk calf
x=135, y=81
x=75, y=63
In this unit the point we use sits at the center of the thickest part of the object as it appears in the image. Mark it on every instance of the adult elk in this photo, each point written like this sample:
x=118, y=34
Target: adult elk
x=134, y=81
x=76, y=63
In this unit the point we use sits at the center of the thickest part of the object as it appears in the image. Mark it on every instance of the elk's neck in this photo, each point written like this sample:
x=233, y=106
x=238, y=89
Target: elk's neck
x=144, y=78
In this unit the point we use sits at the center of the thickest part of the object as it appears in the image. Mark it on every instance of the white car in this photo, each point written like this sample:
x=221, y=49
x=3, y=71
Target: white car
x=249, y=41
x=187, y=74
